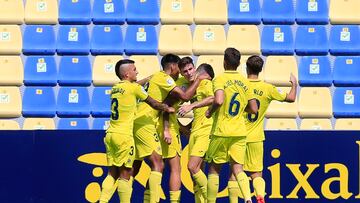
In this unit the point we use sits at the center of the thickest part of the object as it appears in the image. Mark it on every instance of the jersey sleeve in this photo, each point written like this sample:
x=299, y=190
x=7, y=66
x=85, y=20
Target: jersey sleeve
x=208, y=88
x=250, y=91
x=276, y=94
x=218, y=84
x=167, y=84
x=140, y=92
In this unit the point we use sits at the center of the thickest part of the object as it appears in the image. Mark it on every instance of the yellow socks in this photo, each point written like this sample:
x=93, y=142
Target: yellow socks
x=212, y=187
x=147, y=196
x=175, y=196
x=125, y=190
x=154, y=186
x=259, y=186
x=244, y=185
x=199, y=198
x=234, y=191
x=107, y=189
x=201, y=180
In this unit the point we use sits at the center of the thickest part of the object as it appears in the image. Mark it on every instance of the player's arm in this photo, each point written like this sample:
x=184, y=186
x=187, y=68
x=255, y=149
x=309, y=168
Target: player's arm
x=144, y=81
x=166, y=130
x=291, y=96
x=177, y=92
x=159, y=106
x=218, y=101
x=251, y=107
x=198, y=104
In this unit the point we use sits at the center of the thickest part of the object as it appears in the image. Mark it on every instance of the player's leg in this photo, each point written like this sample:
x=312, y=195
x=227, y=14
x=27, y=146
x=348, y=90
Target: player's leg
x=175, y=178
x=213, y=182
x=108, y=185
x=199, y=177
x=233, y=189
x=157, y=167
x=125, y=184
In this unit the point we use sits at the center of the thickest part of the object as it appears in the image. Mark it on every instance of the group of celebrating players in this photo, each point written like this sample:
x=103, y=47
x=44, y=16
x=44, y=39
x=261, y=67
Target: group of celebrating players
x=229, y=112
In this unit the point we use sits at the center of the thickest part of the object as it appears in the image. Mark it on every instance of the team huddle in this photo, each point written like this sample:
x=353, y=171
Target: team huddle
x=229, y=111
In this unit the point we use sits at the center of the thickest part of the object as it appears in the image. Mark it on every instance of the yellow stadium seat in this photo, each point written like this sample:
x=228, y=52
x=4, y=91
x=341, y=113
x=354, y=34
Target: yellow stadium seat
x=11, y=12
x=347, y=124
x=209, y=39
x=210, y=12
x=282, y=109
x=344, y=12
x=216, y=61
x=278, y=68
x=10, y=102
x=316, y=124
x=175, y=39
x=39, y=124
x=245, y=38
x=281, y=124
x=176, y=12
x=9, y=125
x=315, y=102
x=10, y=39
x=11, y=70
x=104, y=70
x=146, y=65
x=41, y=12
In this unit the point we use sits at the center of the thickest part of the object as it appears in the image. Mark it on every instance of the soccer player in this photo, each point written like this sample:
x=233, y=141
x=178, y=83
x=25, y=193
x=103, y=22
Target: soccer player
x=264, y=94
x=233, y=96
x=119, y=139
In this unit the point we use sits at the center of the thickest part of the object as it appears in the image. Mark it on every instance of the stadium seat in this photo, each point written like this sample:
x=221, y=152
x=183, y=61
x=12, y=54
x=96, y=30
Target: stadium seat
x=74, y=71
x=10, y=102
x=210, y=12
x=39, y=102
x=100, y=105
x=141, y=39
x=175, y=39
x=73, y=39
x=106, y=39
x=143, y=12
x=176, y=12
x=108, y=12
x=315, y=71
x=344, y=12
x=146, y=65
x=347, y=71
x=278, y=12
x=312, y=12
x=216, y=61
x=6, y=124
x=281, y=124
x=278, y=109
x=40, y=70
x=346, y=103
x=244, y=12
x=41, y=12
x=347, y=124
x=316, y=124
x=39, y=124
x=11, y=12
x=311, y=40
x=209, y=39
x=73, y=102
x=73, y=124
x=315, y=102
x=39, y=39
x=277, y=40
x=74, y=12
x=245, y=38
x=104, y=70
x=345, y=40
x=11, y=71
x=100, y=124
x=10, y=40
x=277, y=69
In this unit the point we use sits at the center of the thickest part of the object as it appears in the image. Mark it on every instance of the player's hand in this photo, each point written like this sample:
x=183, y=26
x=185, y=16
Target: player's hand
x=207, y=113
x=170, y=109
x=167, y=136
x=204, y=76
x=184, y=110
x=293, y=79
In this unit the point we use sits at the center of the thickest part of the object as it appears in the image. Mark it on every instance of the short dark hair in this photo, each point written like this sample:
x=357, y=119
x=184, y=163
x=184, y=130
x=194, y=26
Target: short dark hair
x=168, y=59
x=232, y=58
x=120, y=63
x=207, y=68
x=254, y=64
x=185, y=61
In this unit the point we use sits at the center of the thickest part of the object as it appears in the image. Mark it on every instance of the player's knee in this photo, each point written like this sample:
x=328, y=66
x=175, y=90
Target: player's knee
x=157, y=162
x=193, y=168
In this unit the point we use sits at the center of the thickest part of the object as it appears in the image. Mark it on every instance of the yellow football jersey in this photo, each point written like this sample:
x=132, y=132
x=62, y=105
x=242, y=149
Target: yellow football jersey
x=124, y=96
x=264, y=93
x=229, y=119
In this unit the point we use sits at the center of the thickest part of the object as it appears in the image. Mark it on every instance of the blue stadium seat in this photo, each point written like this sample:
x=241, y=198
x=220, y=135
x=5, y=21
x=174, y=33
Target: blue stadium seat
x=311, y=40
x=143, y=12
x=39, y=102
x=277, y=40
x=345, y=40
x=73, y=124
x=107, y=39
x=73, y=39
x=315, y=71
x=73, y=102
x=244, y=12
x=39, y=39
x=100, y=123
x=141, y=39
x=74, y=12
x=75, y=71
x=108, y=12
x=100, y=106
x=312, y=12
x=40, y=70
x=347, y=71
x=346, y=102
x=278, y=12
